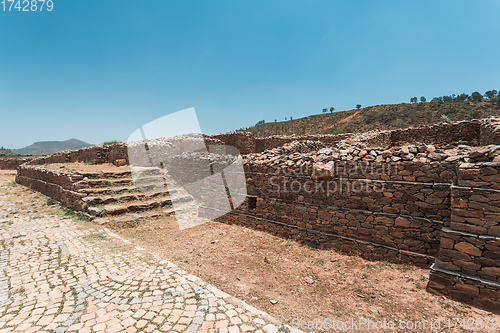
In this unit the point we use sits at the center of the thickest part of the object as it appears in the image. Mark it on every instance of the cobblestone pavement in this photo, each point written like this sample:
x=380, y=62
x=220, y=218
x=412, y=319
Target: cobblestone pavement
x=57, y=275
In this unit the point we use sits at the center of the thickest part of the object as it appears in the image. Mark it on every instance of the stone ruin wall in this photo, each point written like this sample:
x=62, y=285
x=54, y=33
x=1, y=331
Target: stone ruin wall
x=246, y=143
x=432, y=205
x=468, y=265
x=443, y=133
x=391, y=211
x=96, y=154
x=58, y=185
x=12, y=163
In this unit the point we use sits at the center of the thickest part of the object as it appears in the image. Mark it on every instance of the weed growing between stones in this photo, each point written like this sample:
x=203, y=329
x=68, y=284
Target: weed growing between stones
x=72, y=214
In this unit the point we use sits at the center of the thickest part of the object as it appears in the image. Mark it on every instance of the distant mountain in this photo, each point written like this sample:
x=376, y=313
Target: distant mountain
x=51, y=147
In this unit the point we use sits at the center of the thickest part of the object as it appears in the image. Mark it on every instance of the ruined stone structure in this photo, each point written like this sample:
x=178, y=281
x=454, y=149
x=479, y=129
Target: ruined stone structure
x=11, y=163
x=429, y=196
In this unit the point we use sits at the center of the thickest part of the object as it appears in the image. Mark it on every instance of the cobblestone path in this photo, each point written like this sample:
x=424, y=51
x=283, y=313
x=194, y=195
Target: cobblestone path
x=59, y=276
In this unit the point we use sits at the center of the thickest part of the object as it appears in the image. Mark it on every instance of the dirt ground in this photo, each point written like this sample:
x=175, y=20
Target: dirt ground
x=293, y=282
x=296, y=281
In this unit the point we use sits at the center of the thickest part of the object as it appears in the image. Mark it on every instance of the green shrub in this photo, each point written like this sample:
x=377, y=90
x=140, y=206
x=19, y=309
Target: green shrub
x=339, y=131
x=445, y=119
x=109, y=143
x=313, y=246
x=476, y=114
x=69, y=212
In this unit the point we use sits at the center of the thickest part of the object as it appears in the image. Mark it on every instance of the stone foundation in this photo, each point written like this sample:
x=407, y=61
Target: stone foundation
x=480, y=293
x=12, y=163
x=57, y=185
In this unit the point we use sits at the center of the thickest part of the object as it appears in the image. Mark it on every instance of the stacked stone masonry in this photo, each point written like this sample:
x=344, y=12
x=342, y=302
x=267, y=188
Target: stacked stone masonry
x=439, y=133
x=246, y=143
x=12, y=163
x=426, y=196
x=55, y=184
x=468, y=265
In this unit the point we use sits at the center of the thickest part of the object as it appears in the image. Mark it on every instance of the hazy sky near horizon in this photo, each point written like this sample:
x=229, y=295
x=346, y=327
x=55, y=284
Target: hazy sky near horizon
x=97, y=70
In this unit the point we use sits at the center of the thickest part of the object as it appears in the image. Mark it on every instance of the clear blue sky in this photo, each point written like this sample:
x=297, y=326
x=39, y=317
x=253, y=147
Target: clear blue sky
x=97, y=70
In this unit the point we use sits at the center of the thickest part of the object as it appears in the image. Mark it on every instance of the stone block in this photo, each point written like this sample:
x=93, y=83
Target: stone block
x=468, y=248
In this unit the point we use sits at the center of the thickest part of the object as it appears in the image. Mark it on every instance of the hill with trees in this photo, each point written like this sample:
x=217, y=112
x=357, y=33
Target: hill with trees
x=6, y=152
x=390, y=116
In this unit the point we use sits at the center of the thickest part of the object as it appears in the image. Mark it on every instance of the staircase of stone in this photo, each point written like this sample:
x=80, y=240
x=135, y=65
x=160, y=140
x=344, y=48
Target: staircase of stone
x=111, y=197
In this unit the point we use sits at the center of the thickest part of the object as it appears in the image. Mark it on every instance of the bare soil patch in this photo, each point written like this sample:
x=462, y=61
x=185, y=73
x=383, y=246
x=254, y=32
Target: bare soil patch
x=292, y=280
x=344, y=120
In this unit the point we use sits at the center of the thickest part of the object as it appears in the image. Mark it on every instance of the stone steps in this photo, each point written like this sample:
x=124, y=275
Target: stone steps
x=117, y=174
x=130, y=220
x=103, y=174
x=114, y=198
x=107, y=199
x=117, y=208
x=114, y=190
x=105, y=186
x=106, y=182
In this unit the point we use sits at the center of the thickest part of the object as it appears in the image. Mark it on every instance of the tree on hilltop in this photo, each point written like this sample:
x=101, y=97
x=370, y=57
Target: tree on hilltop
x=447, y=99
x=358, y=106
x=413, y=100
x=423, y=99
x=477, y=97
x=325, y=110
x=490, y=94
x=332, y=109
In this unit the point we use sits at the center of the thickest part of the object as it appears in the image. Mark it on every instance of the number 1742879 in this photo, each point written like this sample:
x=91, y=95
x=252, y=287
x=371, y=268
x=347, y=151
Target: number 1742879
x=27, y=5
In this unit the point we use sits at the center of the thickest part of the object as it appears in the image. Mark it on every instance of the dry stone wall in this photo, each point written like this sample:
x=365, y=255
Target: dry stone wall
x=275, y=141
x=11, y=163
x=490, y=131
x=95, y=154
x=243, y=141
x=440, y=133
x=54, y=184
x=247, y=143
x=395, y=200
x=468, y=265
